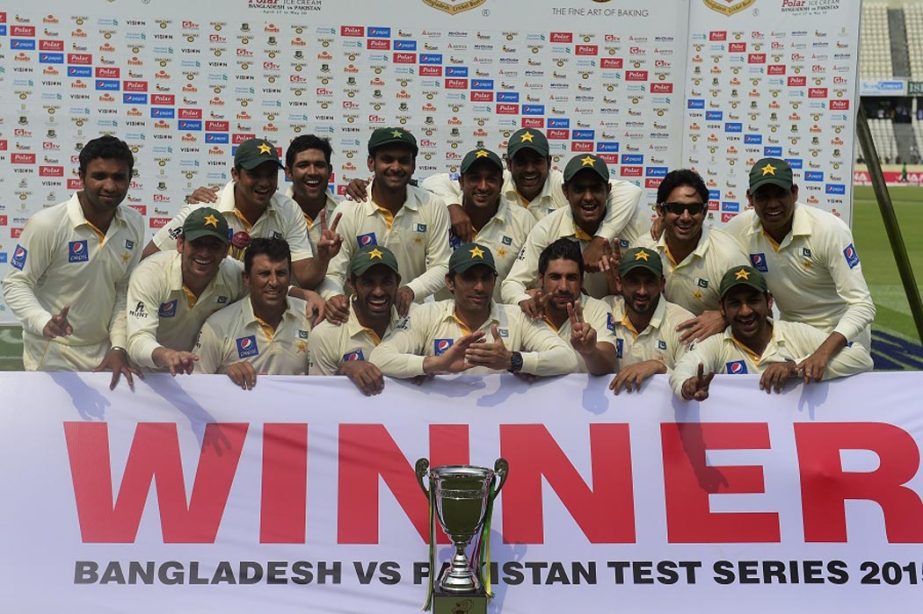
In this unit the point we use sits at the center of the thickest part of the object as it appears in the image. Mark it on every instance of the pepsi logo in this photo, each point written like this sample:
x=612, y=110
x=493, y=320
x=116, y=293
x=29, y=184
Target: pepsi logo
x=246, y=344
x=19, y=253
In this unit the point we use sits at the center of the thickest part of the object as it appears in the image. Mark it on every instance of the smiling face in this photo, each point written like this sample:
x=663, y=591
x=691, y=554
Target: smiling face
x=310, y=175
x=775, y=206
x=393, y=166
x=105, y=185
x=256, y=186
x=481, y=185
x=641, y=290
x=683, y=214
x=562, y=280
x=473, y=288
x=747, y=309
x=200, y=259
x=268, y=283
x=529, y=170
x=587, y=193
x=375, y=291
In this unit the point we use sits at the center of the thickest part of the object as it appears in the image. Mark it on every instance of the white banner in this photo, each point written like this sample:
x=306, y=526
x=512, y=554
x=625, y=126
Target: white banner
x=192, y=495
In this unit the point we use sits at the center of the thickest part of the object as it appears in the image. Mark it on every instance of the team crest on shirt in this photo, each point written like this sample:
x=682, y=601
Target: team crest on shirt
x=736, y=367
x=129, y=244
x=367, y=239
x=356, y=355
x=77, y=251
x=662, y=345
x=441, y=346
x=302, y=334
x=504, y=332
x=852, y=258
x=623, y=243
x=277, y=235
x=506, y=240
x=222, y=300
x=702, y=283
x=246, y=347
x=805, y=252
x=619, y=345
x=421, y=227
x=759, y=262
x=19, y=257
x=167, y=310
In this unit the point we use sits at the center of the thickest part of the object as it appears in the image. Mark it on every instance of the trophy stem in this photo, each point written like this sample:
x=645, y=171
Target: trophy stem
x=459, y=577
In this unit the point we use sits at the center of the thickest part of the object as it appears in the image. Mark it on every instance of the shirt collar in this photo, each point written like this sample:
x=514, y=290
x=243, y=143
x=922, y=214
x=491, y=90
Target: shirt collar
x=412, y=201
x=449, y=312
x=77, y=218
x=510, y=192
x=227, y=203
x=774, y=341
x=354, y=326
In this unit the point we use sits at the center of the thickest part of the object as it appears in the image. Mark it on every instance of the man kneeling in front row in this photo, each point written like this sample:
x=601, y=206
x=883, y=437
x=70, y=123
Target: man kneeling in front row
x=452, y=336
x=754, y=343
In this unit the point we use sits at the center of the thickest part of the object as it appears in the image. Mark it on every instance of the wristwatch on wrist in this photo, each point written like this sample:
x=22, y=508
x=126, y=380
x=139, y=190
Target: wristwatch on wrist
x=515, y=362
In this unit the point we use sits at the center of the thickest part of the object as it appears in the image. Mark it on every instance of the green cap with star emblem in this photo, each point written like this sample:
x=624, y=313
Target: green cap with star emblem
x=205, y=222
x=527, y=138
x=391, y=136
x=643, y=258
x=742, y=276
x=586, y=161
x=470, y=255
x=477, y=155
x=254, y=152
x=771, y=171
x=371, y=255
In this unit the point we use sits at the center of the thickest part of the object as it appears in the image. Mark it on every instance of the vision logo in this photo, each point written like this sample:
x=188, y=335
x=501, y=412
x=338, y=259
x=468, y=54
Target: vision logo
x=246, y=347
x=77, y=251
x=852, y=258
x=356, y=355
x=441, y=346
x=736, y=367
x=759, y=262
x=19, y=257
x=167, y=310
x=366, y=240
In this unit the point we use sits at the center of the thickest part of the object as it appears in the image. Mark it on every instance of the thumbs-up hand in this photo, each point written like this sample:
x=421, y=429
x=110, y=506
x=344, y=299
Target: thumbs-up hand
x=493, y=355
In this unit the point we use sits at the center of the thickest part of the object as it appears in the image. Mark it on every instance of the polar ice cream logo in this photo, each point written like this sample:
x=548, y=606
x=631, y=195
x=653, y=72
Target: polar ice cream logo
x=453, y=7
x=728, y=7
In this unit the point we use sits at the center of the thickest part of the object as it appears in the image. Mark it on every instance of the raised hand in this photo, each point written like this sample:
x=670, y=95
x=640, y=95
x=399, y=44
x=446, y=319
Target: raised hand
x=357, y=190
x=58, y=326
x=582, y=335
x=330, y=242
x=493, y=355
x=534, y=307
x=696, y=388
x=203, y=195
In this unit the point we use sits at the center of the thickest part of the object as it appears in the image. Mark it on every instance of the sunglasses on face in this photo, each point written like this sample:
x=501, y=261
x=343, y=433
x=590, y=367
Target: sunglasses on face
x=678, y=208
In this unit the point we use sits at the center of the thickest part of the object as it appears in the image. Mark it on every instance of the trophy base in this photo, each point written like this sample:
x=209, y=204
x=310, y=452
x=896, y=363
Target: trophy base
x=449, y=603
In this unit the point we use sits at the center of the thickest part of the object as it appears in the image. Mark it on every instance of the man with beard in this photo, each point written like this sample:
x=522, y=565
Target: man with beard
x=344, y=349
x=252, y=208
x=587, y=188
x=694, y=257
x=645, y=324
x=69, y=272
x=452, y=336
x=810, y=262
x=578, y=319
x=265, y=332
x=171, y=294
x=408, y=220
x=497, y=224
x=753, y=343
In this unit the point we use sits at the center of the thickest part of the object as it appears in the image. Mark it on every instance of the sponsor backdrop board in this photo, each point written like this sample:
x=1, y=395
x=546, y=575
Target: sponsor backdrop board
x=191, y=495
x=183, y=85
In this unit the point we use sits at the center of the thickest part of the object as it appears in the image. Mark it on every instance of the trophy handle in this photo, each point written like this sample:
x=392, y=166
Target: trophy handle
x=421, y=467
x=502, y=469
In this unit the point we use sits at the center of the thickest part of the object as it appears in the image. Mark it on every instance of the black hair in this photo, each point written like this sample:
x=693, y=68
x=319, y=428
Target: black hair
x=562, y=249
x=277, y=250
x=107, y=147
x=681, y=177
x=307, y=141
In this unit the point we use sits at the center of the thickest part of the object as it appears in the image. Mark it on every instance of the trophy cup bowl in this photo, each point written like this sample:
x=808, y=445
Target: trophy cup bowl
x=461, y=494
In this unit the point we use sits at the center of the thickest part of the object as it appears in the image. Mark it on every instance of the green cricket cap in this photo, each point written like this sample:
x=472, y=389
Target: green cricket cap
x=641, y=258
x=391, y=136
x=205, y=222
x=586, y=161
x=372, y=255
x=527, y=138
x=742, y=276
x=469, y=255
x=253, y=152
x=477, y=155
x=771, y=171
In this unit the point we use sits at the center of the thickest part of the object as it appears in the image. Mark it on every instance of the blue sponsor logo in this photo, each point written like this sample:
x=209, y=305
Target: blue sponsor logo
x=482, y=84
x=632, y=159
x=656, y=171
x=134, y=98
x=456, y=71
x=583, y=135
x=430, y=58
x=753, y=139
x=367, y=239
x=3, y=256
x=77, y=251
x=610, y=322
x=695, y=103
x=759, y=262
x=454, y=240
x=607, y=147
x=852, y=258
x=2, y=29
x=533, y=109
x=795, y=163
x=402, y=45
x=19, y=257
x=736, y=367
x=773, y=152
x=79, y=71
x=714, y=194
x=167, y=310
x=733, y=127
x=246, y=347
x=25, y=44
x=619, y=345
x=217, y=137
x=508, y=97
x=50, y=58
x=835, y=188
x=441, y=346
x=730, y=206
x=352, y=356
x=813, y=175
x=714, y=116
x=109, y=85
x=558, y=122
x=378, y=32
x=163, y=112
x=189, y=124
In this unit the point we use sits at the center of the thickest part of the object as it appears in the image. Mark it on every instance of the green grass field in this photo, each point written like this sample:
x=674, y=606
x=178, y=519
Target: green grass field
x=871, y=242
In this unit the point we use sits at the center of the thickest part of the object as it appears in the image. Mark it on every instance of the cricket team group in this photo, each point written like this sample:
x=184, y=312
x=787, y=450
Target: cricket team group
x=508, y=266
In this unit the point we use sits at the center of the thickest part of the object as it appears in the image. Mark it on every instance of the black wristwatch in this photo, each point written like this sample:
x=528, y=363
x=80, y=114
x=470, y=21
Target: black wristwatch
x=515, y=362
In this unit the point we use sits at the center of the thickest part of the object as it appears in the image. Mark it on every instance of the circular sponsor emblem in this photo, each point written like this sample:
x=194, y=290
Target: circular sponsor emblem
x=240, y=239
x=443, y=344
x=737, y=367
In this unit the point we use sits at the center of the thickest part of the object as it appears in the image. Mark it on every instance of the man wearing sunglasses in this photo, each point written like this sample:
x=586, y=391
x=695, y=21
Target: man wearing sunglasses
x=694, y=257
x=809, y=259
